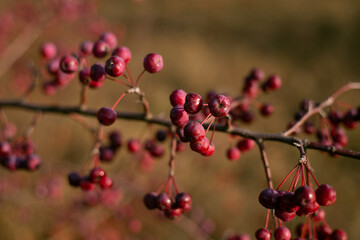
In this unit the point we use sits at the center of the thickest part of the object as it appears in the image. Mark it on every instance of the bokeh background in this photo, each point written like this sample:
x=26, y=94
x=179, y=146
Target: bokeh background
x=206, y=45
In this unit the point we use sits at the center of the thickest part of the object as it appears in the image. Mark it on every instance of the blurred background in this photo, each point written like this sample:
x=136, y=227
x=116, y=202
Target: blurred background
x=206, y=45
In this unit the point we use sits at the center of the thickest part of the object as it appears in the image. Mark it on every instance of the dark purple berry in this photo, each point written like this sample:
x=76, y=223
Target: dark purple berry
x=153, y=62
x=84, y=76
x=116, y=140
x=74, y=179
x=269, y=198
x=150, y=200
x=97, y=73
x=338, y=234
x=106, y=116
x=106, y=154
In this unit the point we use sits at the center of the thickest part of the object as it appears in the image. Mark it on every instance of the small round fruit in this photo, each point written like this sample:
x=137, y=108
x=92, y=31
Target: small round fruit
x=115, y=66
x=110, y=39
x=69, y=64
x=179, y=116
x=269, y=198
x=194, y=131
x=122, y=52
x=219, y=106
x=263, y=234
x=163, y=201
x=100, y=49
x=48, y=50
x=153, y=62
x=233, y=153
x=282, y=233
x=177, y=97
x=106, y=116
x=325, y=195
x=193, y=103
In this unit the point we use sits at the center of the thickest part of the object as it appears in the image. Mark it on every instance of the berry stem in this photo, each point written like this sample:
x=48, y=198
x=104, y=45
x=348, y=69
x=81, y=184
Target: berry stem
x=119, y=81
x=267, y=218
x=209, y=115
x=119, y=99
x=297, y=175
x=175, y=186
x=265, y=162
x=312, y=175
x=83, y=96
x=138, y=78
x=33, y=124
x=212, y=121
x=293, y=180
x=302, y=175
x=131, y=81
x=283, y=181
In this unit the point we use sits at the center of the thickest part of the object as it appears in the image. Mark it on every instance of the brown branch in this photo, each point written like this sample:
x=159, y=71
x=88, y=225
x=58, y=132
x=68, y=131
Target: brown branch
x=277, y=137
x=265, y=162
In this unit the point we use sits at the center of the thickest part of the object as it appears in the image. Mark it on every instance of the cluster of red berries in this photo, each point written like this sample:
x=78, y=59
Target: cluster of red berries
x=254, y=83
x=172, y=208
x=302, y=201
x=107, y=152
x=88, y=182
x=330, y=130
x=17, y=153
x=190, y=130
x=321, y=229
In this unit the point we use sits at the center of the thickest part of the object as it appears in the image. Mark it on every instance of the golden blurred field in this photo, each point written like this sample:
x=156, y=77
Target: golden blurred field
x=206, y=45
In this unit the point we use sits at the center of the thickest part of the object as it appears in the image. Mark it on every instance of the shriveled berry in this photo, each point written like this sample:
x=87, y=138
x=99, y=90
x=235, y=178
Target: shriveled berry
x=153, y=62
x=122, y=52
x=325, y=195
x=100, y=49
x=177, y=97
x=194, y=131
x=115, y=66
x=150, y=200
x=263, y=234
x=269, y=198
x=193, y=103
x=219, y=106
x=69, y=64
x=179, y=116
x=110, y=39
x=48, y=50
x=282, y=233
x=233, y=153
x=106, y=116
x=163, y=201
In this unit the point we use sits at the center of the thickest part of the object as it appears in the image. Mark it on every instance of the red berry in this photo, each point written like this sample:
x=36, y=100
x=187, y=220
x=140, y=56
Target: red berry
x=183, y=201
x=106, y=182
x=319, y=215
x=5, y=150
x=304, y=196
x=69, y=64
x=110, y=39
x=134, y=145
x=338, y=235
x=173, y=213
x=325, y=195
x=286, y=202
x=200, y=146
x=193, y=103
x=86, y=185
x=96, y=174
x=282, y=233
x=194, y=131
x=263, y=234
x=177, y=97
x=273, y=83
x=323, y=231
x=163, y=201
x=245, y=144
x=53, y=66
x=153, y=62
x=269, y=198
x=106, y=116
x=283, y=215
x=210, y=150
x=106, y=154
x=32, y=162
x=115, y=66
x=257, y=74
x=115, y=140
x=219, y=106
x=86, y=48
x=266, y=109
x=48, y=50
x=179, y=116
x=233, y=153
x=100, y=49
x=122, y=52
x=84, y=76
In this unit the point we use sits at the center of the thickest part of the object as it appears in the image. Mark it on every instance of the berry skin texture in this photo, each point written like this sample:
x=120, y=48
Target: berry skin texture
x=194, y=131
x=304, y=196
x=193, y=103
x=69, y=64
x=48, y=50
x=115, y=66
x=122, y=52
x=106, y=116
x=200, y=146
x=263, y=234
x=219, y=106
x=325, y=195
x=283, y=215
x=153, y=63
x=233, y=154
x=210, y=150
x=282, y=233
x=100, y=49
x=269, y=198
x=177, y=97
x=179, y=116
